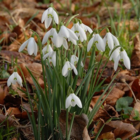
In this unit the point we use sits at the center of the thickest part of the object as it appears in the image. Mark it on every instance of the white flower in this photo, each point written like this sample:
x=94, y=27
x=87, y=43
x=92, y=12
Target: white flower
x=72, y=100
x=111, y=40
x=123, y=55
x=48, y=34
x=67, y=67
x=79, y=31
x=47, y=49
x=125, y=58
x=48, y=15
x=114, y=54
x=49, y=53
x=31, y=46
x=74, y=60
x=98, y=41
x=86, y=28
x=59, y=39
x=14, y=78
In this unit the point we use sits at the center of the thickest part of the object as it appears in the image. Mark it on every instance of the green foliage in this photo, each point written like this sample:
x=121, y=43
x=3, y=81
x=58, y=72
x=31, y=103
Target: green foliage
x=123, y=104
x=7, y=133
x=137, y=116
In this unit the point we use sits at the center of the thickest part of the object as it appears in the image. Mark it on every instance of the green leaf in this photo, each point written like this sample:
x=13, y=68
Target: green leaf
x=123, y=104
x=4, y=74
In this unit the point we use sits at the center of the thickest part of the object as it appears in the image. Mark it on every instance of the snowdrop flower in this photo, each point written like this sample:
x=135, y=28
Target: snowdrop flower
x=74, y=60
x=59, y=39
x=56, y=39
x=114, y=54
x=99, y=43
x=79, y=31
x=67, y=67
x=31, y=46
x=49, y=53
x=86, y=28
x=123, y=55
x=48, y=34
x=48, y=15
x=111, y=40
x=73, y=100
x=14, y=78
x=47, y=49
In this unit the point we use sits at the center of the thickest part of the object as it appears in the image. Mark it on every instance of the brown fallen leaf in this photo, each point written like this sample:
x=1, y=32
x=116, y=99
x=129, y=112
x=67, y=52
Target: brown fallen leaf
x=21, y=58
x=19, y=92
x=107, y=135
x=105, y=113
x=114, y=95
x=126, y=75
x=35, y=68
x=119, y=129
x=135, y=58
x=12, y=111
x=135, y=88
x=3, y=93
x=79, y=130
x=12, y=101
x=7, y=120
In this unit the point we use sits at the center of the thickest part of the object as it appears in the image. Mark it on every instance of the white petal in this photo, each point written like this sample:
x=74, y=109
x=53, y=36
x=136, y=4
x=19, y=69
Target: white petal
x=126, y=59
x=31, y=46
x=53, y=60
x=45, y=14
x=65, y=44
x=48, y=21
x=47, y=35
x=63, y=32
x=68, y=101
x=73, y=41
x=89, y=29
x=77, y=100
x=55, y=17
x=65, y=69
x=116, y=42
x=82, y=34
x=110, y=40
x=72, y=34
x=57, y=40
x=74, y=69
x=10, y=79
x=23, y=45
x=115, y=53
x=90, y=43
x=86, y=28
x=100, y=45
x=19, y=80
x=74, y=59
x=47, y=55
x=35, y=49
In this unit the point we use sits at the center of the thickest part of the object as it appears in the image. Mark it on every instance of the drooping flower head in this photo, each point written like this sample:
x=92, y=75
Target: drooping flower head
x=68, y=67
x=74, y=60
x=48, y=15
x=122, y=55
x=59, y=38
x=79, y=31
x=73, y=100
x=98, y=41
x=31, y=46
x=50, y=54
x=111, y=40
x=13, y=79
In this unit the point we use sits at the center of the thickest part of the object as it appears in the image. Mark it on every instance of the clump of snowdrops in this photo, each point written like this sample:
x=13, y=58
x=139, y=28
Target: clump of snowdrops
x=63, y=54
